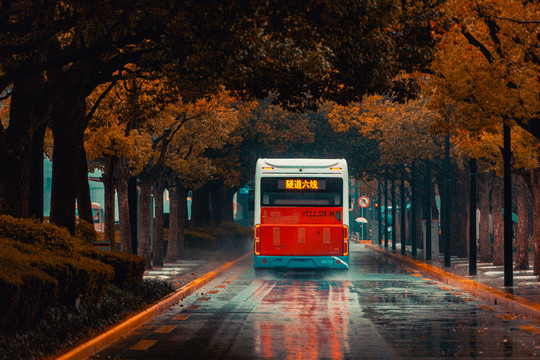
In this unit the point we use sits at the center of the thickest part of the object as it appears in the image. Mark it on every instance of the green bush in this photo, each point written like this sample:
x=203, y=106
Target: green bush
x=199, y=238
x=211, y=237
x=42, y=265
x=128, y=268
x=82, y=277
x=26, y=293
x=86, y=231
x=48, y=236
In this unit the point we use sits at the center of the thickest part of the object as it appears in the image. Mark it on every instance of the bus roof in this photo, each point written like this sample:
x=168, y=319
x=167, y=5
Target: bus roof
x=305, y=163
x=302, y=165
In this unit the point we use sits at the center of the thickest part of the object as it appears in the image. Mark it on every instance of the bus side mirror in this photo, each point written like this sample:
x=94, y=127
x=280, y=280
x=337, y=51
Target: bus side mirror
x=251, y=200
x=351, y=203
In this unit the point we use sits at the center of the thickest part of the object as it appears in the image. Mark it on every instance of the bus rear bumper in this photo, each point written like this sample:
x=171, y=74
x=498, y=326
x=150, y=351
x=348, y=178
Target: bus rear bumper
x=301, y=262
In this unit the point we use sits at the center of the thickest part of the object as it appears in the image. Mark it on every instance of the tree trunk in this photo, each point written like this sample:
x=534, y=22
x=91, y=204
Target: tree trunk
x=108, y=184
x=84, y=202
x=157, y=255
x=175, y=248
x=522, y=233
x=36, y=174
x=123, y=211
x=133, y=201
x=459, y=219
x=485, y=250
x=27, y=113
x=172, y=243
x=200, y=207
x=182, y=221
x=498, y=226
x=145, y=240
x=533, y=181
x=228, y=211
x=415, y=234
x=216, y=202
x=66, y=117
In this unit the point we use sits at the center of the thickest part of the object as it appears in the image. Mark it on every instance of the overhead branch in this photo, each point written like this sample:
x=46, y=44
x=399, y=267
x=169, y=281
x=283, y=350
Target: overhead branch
x=474, y=42
x=518, y=21
x=66, y=57
x=98, y=101
x=5, y=95
x=493, y=30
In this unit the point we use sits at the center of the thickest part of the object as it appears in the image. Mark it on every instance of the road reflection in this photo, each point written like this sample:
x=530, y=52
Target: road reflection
x=310, y=319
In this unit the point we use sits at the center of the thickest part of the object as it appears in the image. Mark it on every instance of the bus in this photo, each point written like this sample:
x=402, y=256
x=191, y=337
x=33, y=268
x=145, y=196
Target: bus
x=98, y=217
x=301, y=213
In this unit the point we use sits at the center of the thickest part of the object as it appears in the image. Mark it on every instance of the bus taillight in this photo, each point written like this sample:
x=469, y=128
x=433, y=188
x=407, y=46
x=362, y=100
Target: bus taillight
x=257, y=239
x=345, y=240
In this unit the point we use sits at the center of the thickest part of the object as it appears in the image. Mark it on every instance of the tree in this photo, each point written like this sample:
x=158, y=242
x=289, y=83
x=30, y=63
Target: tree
x=488, y=64
x=299, y=52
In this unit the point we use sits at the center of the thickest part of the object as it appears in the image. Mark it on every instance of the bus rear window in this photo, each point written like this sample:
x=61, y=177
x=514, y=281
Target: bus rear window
x=291, y=191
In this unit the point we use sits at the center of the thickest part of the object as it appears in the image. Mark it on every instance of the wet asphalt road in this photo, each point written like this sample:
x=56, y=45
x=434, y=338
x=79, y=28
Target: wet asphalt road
x=376, y=310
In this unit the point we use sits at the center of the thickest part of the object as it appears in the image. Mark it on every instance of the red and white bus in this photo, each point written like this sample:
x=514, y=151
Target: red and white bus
x=301, y=213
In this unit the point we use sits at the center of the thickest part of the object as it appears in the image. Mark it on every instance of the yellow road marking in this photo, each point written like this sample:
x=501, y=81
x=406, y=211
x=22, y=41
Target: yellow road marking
x=485, y=307
x=204, y=298
x=416, y=275
x=531, y=329
x=506, y=317
x=194, y=307
x=165, y=329
x=143, y=345
x=213, y=292
x=181, y=317
x=444, y=288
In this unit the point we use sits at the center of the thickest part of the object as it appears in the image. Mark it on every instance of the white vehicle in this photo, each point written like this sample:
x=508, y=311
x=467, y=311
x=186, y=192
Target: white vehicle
x=301, y=213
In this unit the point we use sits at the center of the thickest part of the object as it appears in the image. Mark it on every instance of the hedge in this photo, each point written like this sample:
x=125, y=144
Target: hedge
x=42, y=265
x=224, y=236
x=82, y=277
x=48, y=236
x=128, y=268
x=85, y=231
x=26, y=293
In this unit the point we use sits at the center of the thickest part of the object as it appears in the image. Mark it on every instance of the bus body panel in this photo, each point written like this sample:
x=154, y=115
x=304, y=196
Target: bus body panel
x=305, y=227
x=302, y=262
x=307, y=240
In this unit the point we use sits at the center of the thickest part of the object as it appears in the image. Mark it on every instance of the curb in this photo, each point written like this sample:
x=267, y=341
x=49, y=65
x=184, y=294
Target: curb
x=513, y=303
x=101, y=341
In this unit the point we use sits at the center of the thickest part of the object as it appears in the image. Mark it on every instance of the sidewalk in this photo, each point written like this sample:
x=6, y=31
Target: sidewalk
x=187, y=276
x=523, y=297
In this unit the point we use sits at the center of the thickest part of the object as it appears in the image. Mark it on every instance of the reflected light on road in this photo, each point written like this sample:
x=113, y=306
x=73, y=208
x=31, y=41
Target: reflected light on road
x=309, y=322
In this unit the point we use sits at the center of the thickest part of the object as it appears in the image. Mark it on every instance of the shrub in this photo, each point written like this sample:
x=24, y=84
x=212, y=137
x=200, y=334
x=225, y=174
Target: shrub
x=86, y=231
x=128, y=268
x=211, y=237
x=200, y=238
x=48, y=236
x=26, y=293
x=76, y=277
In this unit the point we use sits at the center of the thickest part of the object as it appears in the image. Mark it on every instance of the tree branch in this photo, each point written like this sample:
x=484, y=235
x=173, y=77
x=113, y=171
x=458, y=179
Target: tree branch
x=29, y=69
x=6, y=95
x=474, y=42
x=98, y=101
x=518, y=21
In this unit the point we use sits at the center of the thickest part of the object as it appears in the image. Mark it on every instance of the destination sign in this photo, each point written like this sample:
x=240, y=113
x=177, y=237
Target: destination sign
x=302, y=184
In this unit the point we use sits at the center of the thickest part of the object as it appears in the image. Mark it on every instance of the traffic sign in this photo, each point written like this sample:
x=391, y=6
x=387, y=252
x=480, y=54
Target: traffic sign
x=363, y=201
